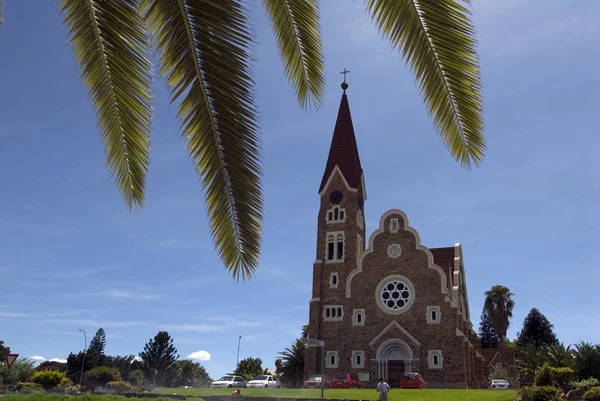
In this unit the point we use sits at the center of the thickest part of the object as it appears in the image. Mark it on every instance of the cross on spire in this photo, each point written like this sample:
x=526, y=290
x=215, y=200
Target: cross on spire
x=345, y=72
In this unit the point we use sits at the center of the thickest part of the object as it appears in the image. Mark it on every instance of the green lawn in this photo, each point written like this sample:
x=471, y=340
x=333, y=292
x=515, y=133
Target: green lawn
x=355, y=394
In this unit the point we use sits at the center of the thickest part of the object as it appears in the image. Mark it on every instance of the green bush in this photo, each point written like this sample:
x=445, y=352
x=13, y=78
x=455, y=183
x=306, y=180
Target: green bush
x=587, y=383
x=100, y=376
x=29, y=387
x=48, y=378
x=592, y=394
x=544, y=376
x=66, y=382
x=544, y=393
x=120, y=387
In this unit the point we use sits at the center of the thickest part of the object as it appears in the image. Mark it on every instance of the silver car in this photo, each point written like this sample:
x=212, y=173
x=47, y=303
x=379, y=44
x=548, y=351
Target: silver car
x=229, y=382
x=499, y=384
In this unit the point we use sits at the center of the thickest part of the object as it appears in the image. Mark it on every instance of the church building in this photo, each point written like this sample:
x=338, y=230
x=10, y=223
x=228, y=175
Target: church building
x=391, y=305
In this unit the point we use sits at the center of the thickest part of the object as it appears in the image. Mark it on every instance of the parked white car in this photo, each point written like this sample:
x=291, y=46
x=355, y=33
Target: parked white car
x=264, y=381
x=499, y=384
x=229, y=382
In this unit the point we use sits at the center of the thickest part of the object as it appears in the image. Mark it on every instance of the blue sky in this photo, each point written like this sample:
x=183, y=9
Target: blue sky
x=72, y=256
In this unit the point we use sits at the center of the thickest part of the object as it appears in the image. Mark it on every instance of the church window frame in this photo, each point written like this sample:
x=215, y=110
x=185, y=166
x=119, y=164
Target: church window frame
x=434, y=315
x=333, y=313
x=336, y=214
x=358, y=359
x=335, y=248
x=358, y=317
x=394, y=225
x=435, y=359
x=334, y=280
x=359, y=246
x=359, y=219
x=331, y=359
x=384, y=294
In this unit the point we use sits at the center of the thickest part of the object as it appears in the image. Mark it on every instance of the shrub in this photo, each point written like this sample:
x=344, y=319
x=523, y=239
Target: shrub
x=66, y=382
x=544, y=393
x=587, y=383
x=544, y=376
x=120, y=387
x=48, y=378
x=592, y=394
x=28, y=387
x=100, y=376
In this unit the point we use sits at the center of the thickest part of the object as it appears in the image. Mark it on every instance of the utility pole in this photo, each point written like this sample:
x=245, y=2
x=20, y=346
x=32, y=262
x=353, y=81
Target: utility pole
x=84, y=353
x=238, y=353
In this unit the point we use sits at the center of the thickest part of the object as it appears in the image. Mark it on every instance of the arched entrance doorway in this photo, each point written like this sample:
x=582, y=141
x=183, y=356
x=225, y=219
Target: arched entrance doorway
x=394, y=357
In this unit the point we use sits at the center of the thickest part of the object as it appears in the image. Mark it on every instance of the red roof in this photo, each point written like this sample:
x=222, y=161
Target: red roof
x=444, y=258
x=343, y=151
x=489, y=353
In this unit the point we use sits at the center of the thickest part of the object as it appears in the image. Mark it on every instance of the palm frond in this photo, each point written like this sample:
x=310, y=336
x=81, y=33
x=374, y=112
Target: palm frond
x=296, y=26
x=1, y=13
x=204, y=54
x=112, y=49
x=437, y=39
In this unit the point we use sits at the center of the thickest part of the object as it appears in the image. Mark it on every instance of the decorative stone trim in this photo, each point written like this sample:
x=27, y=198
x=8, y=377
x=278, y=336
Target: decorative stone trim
x=355, y=317
x=336, y=210
x=358, y=359
x=394, y=324
x=333, y=313
x=334, y=280
x=435, y=359
x=317, y=299
x=394, y=225
x=359, y=219
x=434, y=315
x=331, y=356
x=407, y=303
x=394, y=251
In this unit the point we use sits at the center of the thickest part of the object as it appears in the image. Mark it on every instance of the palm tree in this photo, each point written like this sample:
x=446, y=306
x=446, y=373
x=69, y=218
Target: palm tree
x=499, y=305
x=291, y=369
x=305, y=330
x=587, y=360
x=203, y=49
x=560, y=356
x=529, y=359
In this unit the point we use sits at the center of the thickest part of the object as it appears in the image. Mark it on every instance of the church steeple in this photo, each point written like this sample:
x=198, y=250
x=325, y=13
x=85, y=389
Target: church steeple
x=343, y=152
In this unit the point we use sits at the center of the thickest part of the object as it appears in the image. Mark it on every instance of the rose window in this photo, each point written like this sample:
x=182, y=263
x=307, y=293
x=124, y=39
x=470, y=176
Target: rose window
x=395, y=295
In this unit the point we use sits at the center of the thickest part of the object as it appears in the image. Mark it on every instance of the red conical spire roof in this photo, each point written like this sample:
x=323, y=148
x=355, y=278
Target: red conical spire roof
x=343, y=151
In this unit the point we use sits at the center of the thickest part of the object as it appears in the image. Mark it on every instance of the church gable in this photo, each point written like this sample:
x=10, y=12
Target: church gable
x=395, y=248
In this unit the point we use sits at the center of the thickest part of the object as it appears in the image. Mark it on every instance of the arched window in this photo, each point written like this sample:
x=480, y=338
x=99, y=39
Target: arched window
x=330, y=247
x=340, y=247
x=358, y=360
x=335, y=246
x=330, y=216
x=436, y=360
x=341, y=215
x=332, y=360
x=359, y=318
x=336, y=215
x=339, y=312
x=327, y=312
x=433, y=315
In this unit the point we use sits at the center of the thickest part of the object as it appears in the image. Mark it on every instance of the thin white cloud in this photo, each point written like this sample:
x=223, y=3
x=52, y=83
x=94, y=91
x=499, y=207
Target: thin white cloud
x=12, y=314
x=199, y=328
x=200, y=355
x=129, y=295
x=96, y=323
x=58, y=360
x=37, y=358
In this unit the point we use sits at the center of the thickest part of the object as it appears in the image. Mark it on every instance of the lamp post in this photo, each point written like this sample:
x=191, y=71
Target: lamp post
x=84, y=352
x=238, y=353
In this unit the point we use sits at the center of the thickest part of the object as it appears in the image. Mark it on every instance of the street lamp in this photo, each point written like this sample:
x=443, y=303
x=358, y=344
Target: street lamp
x=84, y=352
x=238, y=354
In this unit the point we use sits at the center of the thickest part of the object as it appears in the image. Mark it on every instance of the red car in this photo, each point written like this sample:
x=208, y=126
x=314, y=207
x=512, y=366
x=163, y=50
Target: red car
x=412, y=380
x=315, y=382
x=345, y=380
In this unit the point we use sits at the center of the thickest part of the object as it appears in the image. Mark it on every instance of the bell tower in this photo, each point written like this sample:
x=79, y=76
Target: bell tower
x=340, y=232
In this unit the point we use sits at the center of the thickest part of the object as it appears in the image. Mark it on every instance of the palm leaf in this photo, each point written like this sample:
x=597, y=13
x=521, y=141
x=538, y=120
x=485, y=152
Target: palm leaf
x=112, y=50
x=1, y=13
x=437, y=39
x=296, y=26
x=204, y=55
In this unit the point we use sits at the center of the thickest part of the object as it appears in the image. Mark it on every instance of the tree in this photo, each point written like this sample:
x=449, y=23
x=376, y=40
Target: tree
x=205, y=54
x=537, y=331
x=291, y=370
x=136, y=378
x=499, y=305
x=529, y=359
x=560, y=356
x=249, y=368
x=125, y=364
x=20, y=371
x=587, y=360
x=101, y=376
x=190, y=373
x=98, y=343
x=544, y=376
x=305, y=331
x=159, y=358
x=487, y=334
x=89, y=360
x=52, y=365
x=3, y=351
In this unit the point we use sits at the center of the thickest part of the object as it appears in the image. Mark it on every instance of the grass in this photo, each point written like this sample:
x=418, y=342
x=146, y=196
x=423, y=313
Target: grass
x=355, y=394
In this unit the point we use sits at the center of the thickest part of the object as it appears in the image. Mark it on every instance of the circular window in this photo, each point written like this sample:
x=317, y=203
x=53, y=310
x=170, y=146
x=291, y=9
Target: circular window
x=336, y=197
x=395, y=294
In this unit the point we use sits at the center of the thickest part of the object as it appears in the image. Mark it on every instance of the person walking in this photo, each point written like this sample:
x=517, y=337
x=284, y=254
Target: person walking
x=382, y=389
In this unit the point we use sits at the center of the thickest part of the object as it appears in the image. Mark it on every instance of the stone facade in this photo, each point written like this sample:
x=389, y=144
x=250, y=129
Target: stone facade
x=393, y=307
